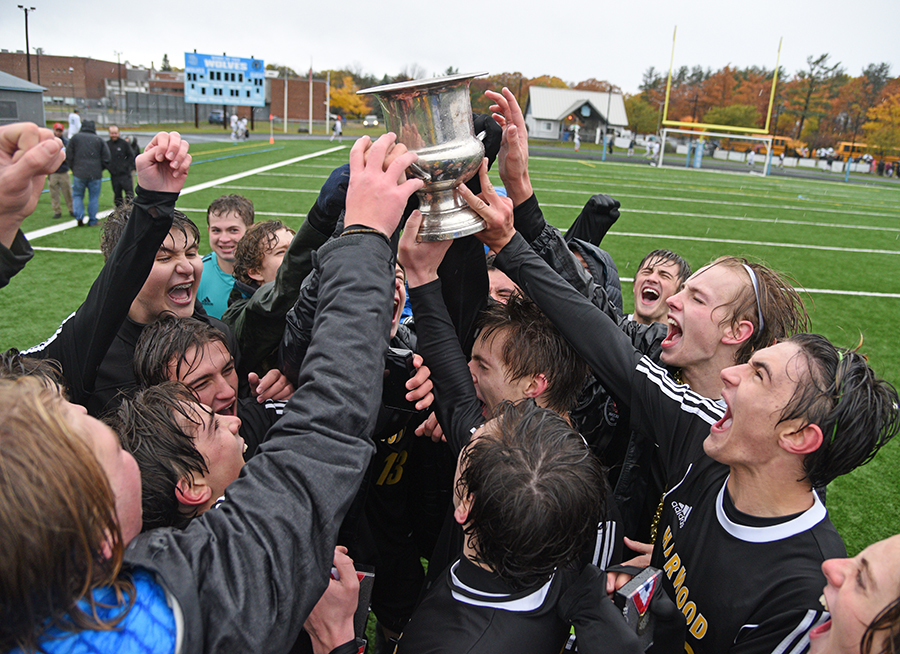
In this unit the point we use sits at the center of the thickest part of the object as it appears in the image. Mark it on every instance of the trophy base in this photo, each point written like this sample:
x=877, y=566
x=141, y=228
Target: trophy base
x=446, y=216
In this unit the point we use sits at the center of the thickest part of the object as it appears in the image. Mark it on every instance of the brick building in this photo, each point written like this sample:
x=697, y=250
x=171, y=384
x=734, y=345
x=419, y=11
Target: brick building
x=64, y=77
x=298, y=98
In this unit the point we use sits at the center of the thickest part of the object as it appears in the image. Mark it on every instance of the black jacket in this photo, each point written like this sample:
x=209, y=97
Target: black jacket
x=246, y=574
x=87, y=153
x=121, y=158
x=14, y=257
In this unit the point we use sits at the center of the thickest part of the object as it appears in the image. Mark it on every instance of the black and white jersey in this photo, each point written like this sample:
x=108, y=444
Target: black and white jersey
x=745, y=584
x=471, y=610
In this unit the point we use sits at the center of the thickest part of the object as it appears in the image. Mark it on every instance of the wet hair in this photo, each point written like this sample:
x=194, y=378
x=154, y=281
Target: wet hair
x=164, y=451
x=887, y=620
x=536, y=492
x=534, y=346
x=57, y=512
x=658, y=257
x=14, y=364
x=857, y=412
x=167, y=341
x=236, y=203
x=115, y=225
x=251, y=250
x=773, y=297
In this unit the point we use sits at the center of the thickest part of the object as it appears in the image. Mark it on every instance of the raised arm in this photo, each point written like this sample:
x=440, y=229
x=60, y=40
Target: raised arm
x=27, y=155
x=456, y=404
x=82, y=341
x=247, y=574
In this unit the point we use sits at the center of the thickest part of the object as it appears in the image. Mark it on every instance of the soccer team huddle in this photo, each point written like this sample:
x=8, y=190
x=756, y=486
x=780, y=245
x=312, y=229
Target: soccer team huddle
x=252, y=450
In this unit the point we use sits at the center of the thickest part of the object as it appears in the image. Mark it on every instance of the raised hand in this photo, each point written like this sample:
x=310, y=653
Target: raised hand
x=513, y=146
x=376, y=196
x=420, y=260
x=496, y=211
x=164, y=164
x=28, y=154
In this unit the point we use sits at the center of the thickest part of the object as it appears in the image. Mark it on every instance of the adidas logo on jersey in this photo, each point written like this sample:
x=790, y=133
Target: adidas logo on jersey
x=682, y=511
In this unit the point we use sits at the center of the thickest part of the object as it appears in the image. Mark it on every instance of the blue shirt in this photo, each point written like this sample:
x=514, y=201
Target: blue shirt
x=215, y=287
x=149, y=627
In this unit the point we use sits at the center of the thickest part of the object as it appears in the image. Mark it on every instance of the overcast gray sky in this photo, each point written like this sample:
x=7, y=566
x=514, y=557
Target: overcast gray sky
x=615, y=41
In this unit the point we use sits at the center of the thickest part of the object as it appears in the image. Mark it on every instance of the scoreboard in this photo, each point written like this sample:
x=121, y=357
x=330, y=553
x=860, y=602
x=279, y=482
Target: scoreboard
x=217, y=79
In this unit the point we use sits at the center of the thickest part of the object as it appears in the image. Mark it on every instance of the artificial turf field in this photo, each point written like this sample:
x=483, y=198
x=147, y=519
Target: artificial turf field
x=841, y=242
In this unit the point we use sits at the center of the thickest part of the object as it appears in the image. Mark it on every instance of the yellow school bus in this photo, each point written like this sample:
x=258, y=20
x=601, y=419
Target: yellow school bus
x=780, y=144
x=851, y=149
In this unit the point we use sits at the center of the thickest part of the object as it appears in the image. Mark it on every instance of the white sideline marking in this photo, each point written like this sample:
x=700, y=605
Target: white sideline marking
x=275, y=189
x=775, y=221
x=46, y=231
x=764, y=243
x=822, y=291
x=754, y=205
x=48, y=249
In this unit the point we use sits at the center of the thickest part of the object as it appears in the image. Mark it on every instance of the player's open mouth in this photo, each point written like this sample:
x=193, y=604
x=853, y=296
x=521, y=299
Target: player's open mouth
x=398, y=309
x=229, y=409
x=649, y=295
x=674, y=334
x=181, y=294
x=724, y=423
x=820, y=631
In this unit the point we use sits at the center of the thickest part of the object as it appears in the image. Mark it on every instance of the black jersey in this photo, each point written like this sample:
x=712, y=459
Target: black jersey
x=471, y=610
x=744, y=584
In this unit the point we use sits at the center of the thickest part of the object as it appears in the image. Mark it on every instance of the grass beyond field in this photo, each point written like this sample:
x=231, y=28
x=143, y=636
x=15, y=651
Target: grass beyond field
x=841, y=242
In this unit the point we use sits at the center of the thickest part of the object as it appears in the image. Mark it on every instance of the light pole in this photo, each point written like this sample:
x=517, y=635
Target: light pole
x=39, y=52
x=121, y=95
x=27, y=46
x=72, y=81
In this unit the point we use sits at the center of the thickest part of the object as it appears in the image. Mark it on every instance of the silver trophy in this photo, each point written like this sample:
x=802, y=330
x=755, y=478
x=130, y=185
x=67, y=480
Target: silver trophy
x=433, y=118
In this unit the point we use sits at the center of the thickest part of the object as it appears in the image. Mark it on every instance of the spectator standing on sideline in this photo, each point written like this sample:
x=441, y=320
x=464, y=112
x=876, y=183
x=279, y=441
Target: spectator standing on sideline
x=59, y=181
x=87, y=155
x=121, y=165
x=338, y=130
x=74, y=122
x=234, y=127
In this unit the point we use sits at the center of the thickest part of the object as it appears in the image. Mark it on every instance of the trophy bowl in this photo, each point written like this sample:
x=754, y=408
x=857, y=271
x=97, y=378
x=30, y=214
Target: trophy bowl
x=433, y=118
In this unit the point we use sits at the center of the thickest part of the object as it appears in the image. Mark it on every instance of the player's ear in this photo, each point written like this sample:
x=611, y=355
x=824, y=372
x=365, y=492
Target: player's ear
x=801, y=441
x=536, y=386
x=461, y=512
x=194, y=492
x=735, y=335
x=255, y=275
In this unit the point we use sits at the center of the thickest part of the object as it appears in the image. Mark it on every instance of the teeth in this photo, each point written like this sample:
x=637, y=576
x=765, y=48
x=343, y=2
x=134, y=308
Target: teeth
x=245, y=447
x=824, y=603
x=672, y=322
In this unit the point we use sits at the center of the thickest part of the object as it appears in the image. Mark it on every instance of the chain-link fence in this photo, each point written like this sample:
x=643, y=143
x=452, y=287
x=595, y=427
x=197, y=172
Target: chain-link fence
x=146, y=109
